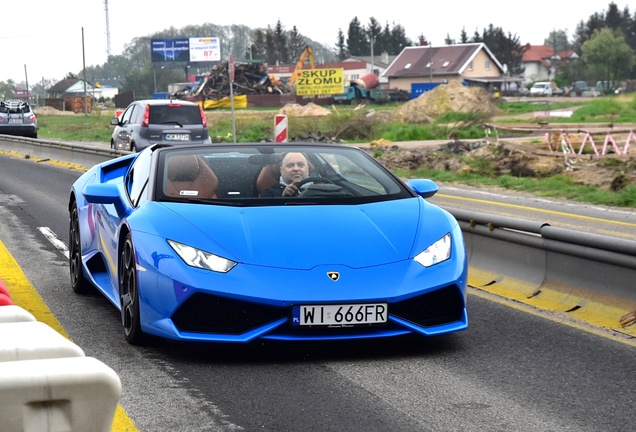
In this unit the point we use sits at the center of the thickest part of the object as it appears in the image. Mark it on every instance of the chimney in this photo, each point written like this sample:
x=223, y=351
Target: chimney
x=385, y=57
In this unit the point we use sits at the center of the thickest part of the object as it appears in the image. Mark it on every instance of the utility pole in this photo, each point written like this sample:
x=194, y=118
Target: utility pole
x=26, y=77
x=84, y=69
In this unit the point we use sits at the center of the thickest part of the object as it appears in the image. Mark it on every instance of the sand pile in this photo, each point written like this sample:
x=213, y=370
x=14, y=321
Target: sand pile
x=47, y=110
x=309, y=110
x=445, y=98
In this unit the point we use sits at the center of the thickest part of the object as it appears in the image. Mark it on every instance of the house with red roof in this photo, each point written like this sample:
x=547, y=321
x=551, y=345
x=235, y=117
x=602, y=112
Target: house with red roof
x=22, y=94
x=543, y=63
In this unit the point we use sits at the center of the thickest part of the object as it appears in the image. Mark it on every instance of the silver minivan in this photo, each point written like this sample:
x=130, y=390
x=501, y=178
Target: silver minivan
x=153, y=121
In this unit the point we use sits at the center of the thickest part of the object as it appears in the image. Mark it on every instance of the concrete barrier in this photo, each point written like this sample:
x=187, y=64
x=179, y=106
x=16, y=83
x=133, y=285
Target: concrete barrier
x=67, y=394
x=12, y=313
x=46, y=382
x=588, y=276
x=34, y=340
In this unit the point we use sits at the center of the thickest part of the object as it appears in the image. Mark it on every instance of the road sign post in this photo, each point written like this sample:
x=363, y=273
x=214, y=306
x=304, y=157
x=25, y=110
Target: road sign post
x=230, y=68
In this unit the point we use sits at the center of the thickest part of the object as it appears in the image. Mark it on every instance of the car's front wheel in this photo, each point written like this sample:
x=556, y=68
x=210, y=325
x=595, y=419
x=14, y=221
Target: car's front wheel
x=129, y=294
x=133, y=148
x=79, y=283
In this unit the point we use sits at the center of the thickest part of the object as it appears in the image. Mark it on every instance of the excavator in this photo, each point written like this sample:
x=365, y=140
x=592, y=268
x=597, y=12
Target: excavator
x=299, y=66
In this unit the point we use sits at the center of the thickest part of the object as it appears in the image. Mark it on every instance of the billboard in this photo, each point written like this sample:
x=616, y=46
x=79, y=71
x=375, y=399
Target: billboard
x=312, y=82
x=205, y=49
x=185, y=50
x=169, y=50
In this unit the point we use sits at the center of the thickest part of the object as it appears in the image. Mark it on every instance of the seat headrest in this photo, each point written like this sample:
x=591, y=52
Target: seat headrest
x=183, y=168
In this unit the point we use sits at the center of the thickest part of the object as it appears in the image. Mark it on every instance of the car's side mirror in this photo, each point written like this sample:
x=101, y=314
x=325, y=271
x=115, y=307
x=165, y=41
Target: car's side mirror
x=423, y=187
x=104, y=194
x=114, y=122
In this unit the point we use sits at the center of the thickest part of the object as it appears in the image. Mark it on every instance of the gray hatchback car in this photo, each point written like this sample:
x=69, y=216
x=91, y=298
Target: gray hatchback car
x=16, y=118
x=153, y=121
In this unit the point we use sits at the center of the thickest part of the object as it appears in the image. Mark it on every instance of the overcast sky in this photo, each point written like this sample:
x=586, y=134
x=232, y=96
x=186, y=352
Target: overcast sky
x=46, y=35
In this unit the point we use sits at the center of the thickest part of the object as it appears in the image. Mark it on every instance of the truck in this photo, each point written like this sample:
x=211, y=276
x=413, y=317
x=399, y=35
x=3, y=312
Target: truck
x=366, y=89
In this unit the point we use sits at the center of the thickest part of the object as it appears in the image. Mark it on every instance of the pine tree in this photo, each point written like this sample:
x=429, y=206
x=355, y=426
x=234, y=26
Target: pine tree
x=340, y=46
x=357, y=39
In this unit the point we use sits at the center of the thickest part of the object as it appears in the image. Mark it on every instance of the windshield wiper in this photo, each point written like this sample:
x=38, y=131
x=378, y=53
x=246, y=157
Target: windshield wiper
x=172, y=122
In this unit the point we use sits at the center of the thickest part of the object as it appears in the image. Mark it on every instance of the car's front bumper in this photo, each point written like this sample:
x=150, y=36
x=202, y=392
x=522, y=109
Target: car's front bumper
x=251, y=302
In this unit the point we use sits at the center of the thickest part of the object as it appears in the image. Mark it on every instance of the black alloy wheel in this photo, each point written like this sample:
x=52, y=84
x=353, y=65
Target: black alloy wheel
x=129, y=294
x=79, y=283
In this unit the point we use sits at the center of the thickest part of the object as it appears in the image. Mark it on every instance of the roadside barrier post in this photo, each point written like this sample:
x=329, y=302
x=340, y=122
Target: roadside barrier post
x=280, y=129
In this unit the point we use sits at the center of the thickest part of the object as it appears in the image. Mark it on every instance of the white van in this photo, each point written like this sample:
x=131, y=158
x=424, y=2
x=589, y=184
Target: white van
x=541, y=89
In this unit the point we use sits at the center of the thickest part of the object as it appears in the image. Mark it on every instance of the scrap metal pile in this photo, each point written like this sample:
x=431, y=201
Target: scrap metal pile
x=249, y=79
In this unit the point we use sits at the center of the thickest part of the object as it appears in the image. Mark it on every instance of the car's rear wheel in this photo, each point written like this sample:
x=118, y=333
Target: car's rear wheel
x=79, y=283
x=129, y=294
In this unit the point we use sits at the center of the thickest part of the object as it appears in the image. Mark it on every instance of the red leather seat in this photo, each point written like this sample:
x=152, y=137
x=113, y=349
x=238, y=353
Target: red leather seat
x=190, y=176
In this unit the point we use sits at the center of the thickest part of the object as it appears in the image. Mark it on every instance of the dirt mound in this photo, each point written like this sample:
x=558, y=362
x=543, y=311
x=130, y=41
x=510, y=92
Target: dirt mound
x=47, y=110
x=442, y=99
x=309, y=110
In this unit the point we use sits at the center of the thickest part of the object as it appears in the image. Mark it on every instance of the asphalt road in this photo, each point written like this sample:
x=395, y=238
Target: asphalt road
x=514, y=369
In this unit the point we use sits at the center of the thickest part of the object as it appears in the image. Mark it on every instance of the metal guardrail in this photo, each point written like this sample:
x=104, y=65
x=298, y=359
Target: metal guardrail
x=83, y=155
x=539, y=254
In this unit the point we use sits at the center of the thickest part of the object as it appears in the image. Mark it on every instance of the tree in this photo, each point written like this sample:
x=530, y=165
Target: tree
x=463, y=36
x=357, y=43
x=296, y=43
x=421, y=39
x=476, y=36
x=271, y=53
x=608, y=53
x=399, y=41
x=507, y=49
x=282, y=51
x=374, y=32
x=6, y=89
x=340, y=46
x=558, y=39
x=448, y=40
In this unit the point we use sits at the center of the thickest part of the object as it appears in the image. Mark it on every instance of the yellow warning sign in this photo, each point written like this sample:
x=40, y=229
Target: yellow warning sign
x=312, y=82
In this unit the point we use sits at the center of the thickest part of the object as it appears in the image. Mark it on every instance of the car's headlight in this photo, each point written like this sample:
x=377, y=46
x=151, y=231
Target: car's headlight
x=436, y=253
x=201, y=259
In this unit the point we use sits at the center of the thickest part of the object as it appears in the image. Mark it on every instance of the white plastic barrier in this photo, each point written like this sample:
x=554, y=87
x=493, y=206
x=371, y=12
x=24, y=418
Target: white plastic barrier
x=34, y=340
x=46, y=382
x=73, y=394
x=12, y=313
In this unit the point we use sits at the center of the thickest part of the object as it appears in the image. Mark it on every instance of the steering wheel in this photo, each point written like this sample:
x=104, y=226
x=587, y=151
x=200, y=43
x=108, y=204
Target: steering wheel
x=313, y=180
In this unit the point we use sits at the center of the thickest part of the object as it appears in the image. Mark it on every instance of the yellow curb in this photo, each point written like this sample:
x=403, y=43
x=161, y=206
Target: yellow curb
x=603, y=312
x=52, y=162
x=23, y=294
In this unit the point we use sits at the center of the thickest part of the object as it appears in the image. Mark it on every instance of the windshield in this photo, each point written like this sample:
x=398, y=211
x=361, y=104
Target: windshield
x=271, y=175
x=174, y=113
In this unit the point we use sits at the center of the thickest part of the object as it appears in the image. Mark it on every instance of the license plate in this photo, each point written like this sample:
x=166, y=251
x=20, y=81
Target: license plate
x=15, y=120
x=343, y=315
x=176, y=137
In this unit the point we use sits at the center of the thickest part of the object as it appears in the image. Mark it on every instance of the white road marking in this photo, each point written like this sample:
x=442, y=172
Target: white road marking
x=55, y=240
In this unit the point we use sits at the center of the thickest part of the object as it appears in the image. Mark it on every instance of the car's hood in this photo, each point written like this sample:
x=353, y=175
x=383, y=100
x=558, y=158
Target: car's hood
x=302, y=237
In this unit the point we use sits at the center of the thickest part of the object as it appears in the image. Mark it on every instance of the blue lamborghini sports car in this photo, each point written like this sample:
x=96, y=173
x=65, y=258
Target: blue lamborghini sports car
x=236, y=242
